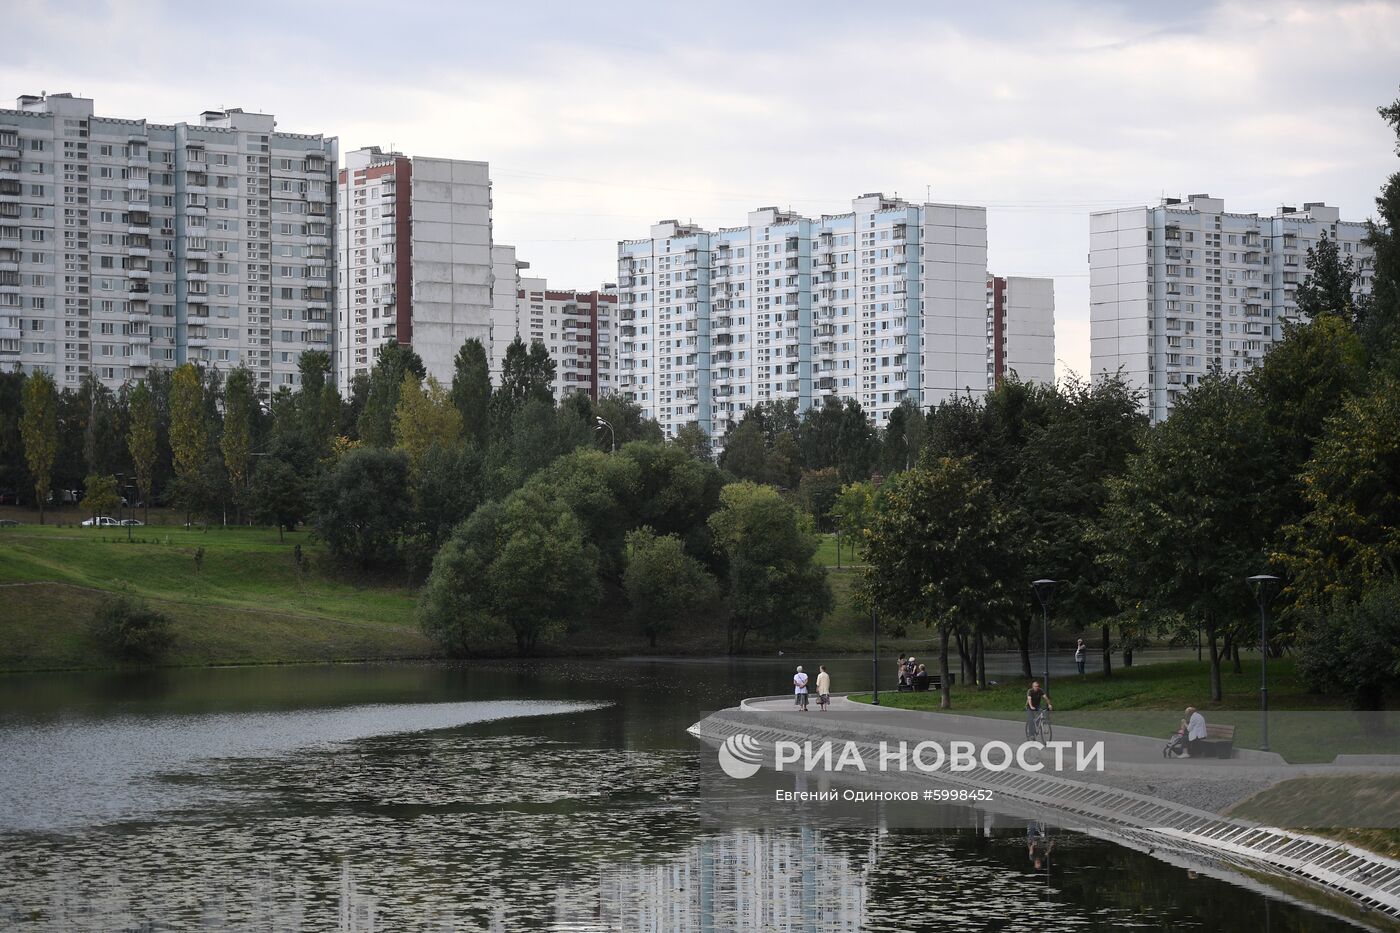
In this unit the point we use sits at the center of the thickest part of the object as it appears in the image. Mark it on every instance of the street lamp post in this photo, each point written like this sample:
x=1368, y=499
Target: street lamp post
x=874, y=656
x=1045, y=591
x=602, y=423
x=1265, y=588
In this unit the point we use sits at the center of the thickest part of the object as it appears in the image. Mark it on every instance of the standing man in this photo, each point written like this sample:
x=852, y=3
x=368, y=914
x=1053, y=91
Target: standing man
x=1080, y=651
x=799, y=689
x=823, y=687
x=1034, y=697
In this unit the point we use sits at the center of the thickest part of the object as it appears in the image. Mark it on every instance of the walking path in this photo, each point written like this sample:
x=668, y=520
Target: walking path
x=1139, y=797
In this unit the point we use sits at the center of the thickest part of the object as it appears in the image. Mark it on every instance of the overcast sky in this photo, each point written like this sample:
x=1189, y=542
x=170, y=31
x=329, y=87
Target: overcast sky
x=599, y=118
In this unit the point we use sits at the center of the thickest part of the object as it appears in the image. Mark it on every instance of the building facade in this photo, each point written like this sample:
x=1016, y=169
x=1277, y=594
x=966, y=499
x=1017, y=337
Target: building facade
x=1186, y=288
x=126, y=244
x=577, y=328
x=416, y=261
x=881, y=304
x=1020, y=329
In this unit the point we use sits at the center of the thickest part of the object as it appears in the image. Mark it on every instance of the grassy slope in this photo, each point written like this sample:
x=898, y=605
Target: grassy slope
x=246, y=604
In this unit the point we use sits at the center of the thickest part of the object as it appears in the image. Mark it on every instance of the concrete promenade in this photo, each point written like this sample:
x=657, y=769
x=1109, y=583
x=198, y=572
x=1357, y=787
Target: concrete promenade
x=1140, y=798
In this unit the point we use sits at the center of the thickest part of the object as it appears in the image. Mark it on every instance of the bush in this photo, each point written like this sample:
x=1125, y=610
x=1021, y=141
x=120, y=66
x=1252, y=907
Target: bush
x=129, y=630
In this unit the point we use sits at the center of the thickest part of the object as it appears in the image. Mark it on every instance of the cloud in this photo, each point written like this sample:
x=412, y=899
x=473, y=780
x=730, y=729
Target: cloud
x=601, y=118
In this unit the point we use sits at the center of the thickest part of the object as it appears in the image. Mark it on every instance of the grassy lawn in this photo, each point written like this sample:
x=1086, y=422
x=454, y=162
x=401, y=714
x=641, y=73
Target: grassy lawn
x=826, y=552
x=245, y=603
x=1338, y=807
x=1149, y=700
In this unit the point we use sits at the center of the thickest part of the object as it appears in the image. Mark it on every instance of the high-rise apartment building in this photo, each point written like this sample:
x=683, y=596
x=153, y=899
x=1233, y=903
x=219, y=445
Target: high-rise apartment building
x=1185, y=288
x=505, y=305
x=577, y=328
x=881, y=304
x=126, y=244
x=415, y=259
x=1020, y=329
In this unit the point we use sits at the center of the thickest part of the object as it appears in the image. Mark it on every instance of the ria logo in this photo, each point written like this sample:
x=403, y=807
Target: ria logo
x=740, y=755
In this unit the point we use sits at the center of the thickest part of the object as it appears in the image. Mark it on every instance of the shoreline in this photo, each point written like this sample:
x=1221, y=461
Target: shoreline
x=1161, y=804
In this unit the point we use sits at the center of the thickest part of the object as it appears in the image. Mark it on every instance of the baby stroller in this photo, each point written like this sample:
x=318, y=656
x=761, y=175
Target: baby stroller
x=1176, y=745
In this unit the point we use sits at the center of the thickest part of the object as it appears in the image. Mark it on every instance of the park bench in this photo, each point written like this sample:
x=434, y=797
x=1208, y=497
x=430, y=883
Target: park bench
x=1219, y=742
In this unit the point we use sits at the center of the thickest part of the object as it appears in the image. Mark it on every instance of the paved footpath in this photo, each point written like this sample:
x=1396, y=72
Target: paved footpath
x=1132, y=762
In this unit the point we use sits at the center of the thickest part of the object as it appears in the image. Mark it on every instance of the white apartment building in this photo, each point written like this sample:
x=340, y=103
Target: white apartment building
x=1020, y=329
x=1184, y=288
x=415, y=259
x=577, y=328
x=126, y=244
x=505, y=305
x=880, y=304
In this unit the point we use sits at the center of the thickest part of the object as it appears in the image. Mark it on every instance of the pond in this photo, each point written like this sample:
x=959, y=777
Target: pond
x=542, y=795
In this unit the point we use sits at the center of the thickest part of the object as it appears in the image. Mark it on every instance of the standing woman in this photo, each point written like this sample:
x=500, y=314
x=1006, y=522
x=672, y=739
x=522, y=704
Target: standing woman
x=799, y=689
x=823, y=688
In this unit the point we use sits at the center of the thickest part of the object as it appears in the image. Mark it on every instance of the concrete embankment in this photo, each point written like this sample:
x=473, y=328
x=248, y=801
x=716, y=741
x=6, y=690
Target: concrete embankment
x=1171, y=808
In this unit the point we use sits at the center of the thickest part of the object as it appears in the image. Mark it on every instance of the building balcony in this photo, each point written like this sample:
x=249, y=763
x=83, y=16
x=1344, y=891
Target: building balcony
x=317, y=281
x=197, y=342
x=319, y=197
x=317, y=240
x=9, y=171
x=137, y=287
x=138, y=274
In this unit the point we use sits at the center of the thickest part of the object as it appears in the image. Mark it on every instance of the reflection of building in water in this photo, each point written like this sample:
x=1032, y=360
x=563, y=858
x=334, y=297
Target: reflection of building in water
x=743, y=881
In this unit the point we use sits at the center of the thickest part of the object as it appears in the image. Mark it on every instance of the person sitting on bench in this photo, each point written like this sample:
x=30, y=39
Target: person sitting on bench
x=1195, y=727
x=921, y=678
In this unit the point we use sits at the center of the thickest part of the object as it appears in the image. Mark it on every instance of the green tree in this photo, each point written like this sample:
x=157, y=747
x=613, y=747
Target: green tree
x=189, y=439
x=1192, y=514
x=775, y=590
x=527, y=375
x=936, y=552
x=236, y=444
x=692, y=439
x=852, y=512
x=628, y=420
x=447, y=488
x=1348, y=540
x=1354, y=645
x=856, y=443
x=516, y=569
x=1330, y=284
x=817, y=491
x=100, y=496
x=674, y=494
x=39, y=430
x=277, y=495
x=1379, y=317
x=141, y=440
x=745, y=454
x=1064, y=467
x=386, y=380
x=363, y=507
x=317, y=402
x=425, y=416
x=1303, y=380
x=664, y=584
x=819, y=433
x=471, y=389
x=129, y=630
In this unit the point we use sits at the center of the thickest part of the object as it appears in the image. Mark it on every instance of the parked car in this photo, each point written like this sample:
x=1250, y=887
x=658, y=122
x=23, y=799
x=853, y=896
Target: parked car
x=8, y=523
x=101, y=521
x=133, y=522
x=9, y=497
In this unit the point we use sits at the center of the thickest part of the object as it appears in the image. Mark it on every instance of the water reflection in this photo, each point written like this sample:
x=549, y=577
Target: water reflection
x=308, y=804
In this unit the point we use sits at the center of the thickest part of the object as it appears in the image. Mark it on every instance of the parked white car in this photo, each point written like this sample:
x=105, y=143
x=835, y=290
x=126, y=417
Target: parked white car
x=133, y=522
x=102, y=521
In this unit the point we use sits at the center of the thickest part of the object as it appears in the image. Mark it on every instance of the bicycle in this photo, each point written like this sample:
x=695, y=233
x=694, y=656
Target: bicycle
x=1043, y=734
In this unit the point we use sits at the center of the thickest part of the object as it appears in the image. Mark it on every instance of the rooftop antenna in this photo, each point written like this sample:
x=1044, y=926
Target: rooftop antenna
x=928, y=193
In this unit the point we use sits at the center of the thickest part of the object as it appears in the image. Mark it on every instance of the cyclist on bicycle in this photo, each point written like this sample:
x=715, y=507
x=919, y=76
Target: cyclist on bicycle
x=1035, y=696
